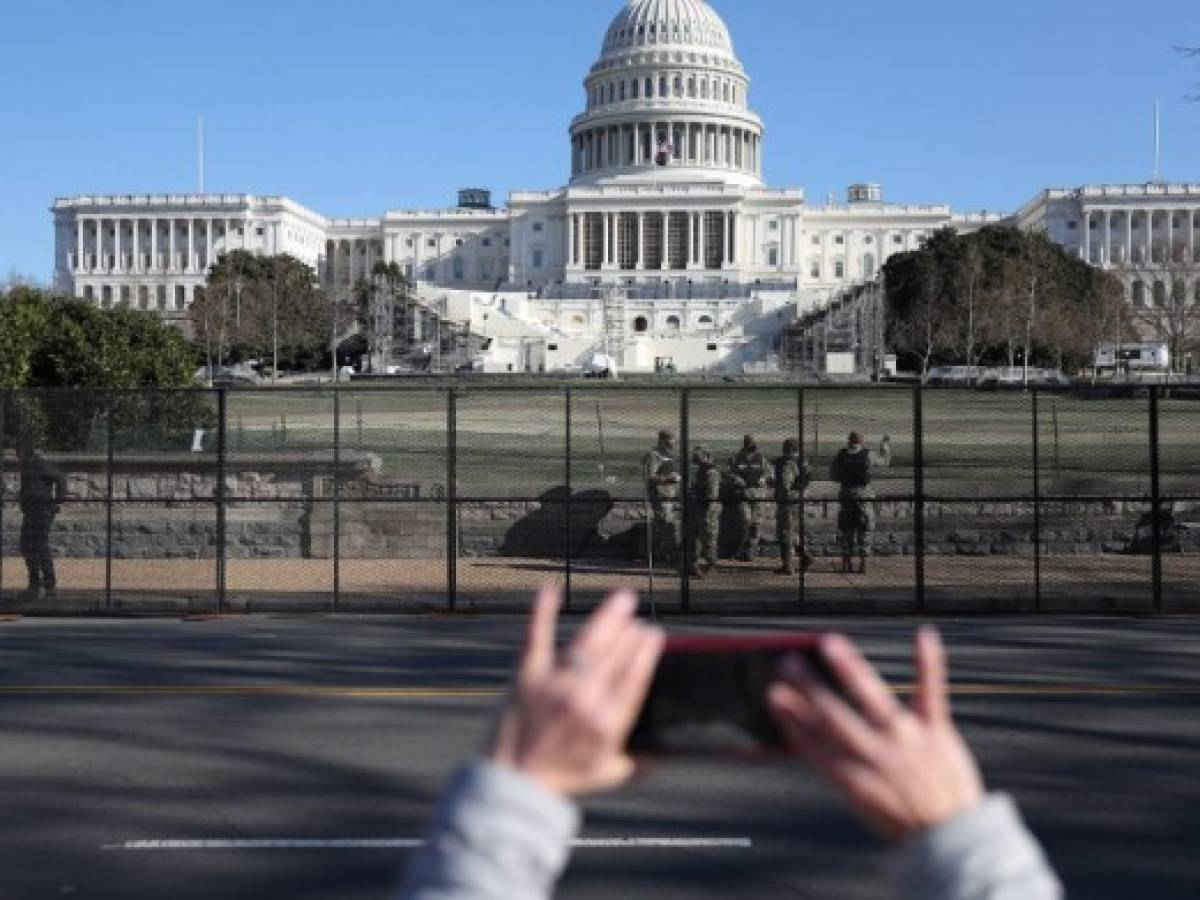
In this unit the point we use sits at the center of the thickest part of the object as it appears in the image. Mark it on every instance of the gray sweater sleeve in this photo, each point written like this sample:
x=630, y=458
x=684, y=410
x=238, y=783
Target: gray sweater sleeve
x=497, y=834
x=984, y=854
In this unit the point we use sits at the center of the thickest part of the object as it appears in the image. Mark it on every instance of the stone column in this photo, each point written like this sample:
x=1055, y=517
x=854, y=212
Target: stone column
x=689, y=237
x=571, y=239
x=640, y=263
x=1104, y=257
x=78, y=244
x=1191, y=227
x=154, y=245
x=1150, y=236
x=171, y=263
x=189, y=260
x=1170, y=234
x=703, y=260
x=731, y=256
x=1087, y=237
x=208, y=243
x=1129, y=237
x=604, y=232
x=117, y=266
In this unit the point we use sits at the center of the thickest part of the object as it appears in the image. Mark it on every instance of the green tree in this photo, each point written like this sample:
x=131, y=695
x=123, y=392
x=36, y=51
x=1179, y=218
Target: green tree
x=73, y=364
x=268, y=307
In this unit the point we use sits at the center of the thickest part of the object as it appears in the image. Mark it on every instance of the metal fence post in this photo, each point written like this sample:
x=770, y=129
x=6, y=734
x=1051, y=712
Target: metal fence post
x=1037, y=508
x=1156, y=576
x=919, y=496
x=4, y=401
x=221, y=496
x=337, y=497
x=685, y=550
x=451, y=499
x=108, y=502
x=567, y=479
x=803, y=494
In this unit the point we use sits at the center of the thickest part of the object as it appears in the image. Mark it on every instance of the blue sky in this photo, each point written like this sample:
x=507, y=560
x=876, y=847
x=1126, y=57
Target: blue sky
x=356, y=108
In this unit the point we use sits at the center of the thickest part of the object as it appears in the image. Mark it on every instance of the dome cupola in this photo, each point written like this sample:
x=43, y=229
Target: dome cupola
x=668, y=100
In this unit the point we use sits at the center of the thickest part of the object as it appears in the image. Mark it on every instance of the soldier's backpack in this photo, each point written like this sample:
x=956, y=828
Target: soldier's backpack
x=854, y=469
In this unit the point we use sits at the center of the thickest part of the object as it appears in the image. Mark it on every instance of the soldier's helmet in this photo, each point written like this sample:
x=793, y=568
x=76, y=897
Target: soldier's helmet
x=701, y=456
x=666, y=437
x=791, y=447
x=748, y=443
x=855, y=438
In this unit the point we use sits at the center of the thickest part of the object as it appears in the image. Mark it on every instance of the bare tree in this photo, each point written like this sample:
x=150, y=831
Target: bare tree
x=1170, y=312
x=1192, y=53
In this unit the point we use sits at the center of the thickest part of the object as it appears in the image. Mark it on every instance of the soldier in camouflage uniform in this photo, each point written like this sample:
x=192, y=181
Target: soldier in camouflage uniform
x=705, y=513
x=43, y=489
x=791, y=479
x=851, y=469
x=748, y=473
x=661, y=470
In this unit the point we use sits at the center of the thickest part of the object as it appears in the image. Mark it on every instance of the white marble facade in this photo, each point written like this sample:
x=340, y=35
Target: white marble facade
x=665, y=205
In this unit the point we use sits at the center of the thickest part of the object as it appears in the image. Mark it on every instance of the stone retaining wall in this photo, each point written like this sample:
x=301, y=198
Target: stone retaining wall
x=280, y=509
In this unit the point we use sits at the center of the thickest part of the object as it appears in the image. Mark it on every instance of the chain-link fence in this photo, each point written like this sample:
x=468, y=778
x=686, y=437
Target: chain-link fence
x=467, y=498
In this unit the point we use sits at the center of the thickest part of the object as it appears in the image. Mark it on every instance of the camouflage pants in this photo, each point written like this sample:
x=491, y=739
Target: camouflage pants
x=35, y=548
x=787, y=530
x=665, y=528
x=706, y=533
x=750, y=516
x=856, y=522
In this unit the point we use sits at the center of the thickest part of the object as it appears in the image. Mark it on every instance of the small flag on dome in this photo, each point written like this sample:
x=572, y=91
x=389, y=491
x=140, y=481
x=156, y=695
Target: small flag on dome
x=666, y=150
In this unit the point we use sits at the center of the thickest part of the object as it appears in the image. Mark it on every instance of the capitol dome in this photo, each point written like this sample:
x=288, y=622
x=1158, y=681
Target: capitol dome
x=667, y=100
x=646, y=23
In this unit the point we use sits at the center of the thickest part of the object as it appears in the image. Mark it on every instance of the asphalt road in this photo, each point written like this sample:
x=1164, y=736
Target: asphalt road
x=335, y=729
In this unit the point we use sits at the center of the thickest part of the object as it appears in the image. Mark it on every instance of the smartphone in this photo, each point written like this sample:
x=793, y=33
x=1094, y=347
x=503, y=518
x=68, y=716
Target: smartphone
x=709, y=695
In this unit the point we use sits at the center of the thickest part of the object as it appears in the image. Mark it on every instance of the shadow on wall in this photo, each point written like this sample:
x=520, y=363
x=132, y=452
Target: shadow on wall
x=561, y=515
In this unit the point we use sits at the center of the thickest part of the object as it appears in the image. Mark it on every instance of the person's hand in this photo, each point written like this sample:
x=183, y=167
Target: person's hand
x=567, y=719
x=904, y=771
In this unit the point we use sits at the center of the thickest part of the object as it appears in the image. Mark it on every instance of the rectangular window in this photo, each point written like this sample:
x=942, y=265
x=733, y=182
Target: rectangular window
x=431, y=243
x=487, y=242
x=839, y=270
x=537, y=226
x=537, y=259
x=816, y=240
x=815, y=270
x=897, y=239
x=839, y=240
x=773, y=256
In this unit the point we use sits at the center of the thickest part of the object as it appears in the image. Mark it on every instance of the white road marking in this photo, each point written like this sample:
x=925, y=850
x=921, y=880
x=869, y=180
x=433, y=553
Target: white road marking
x=614, y=843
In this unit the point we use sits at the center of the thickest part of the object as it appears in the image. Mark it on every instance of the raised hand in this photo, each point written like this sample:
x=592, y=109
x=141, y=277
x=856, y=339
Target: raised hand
x=568, y=717
x=903, y=770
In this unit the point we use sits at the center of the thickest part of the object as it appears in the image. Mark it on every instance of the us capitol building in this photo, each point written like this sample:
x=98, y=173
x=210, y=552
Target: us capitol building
x=665, y=245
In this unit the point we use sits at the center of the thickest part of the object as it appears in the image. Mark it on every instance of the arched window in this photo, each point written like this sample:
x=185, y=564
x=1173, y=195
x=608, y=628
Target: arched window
x=704, y=88
x=662, y=86
x=673, y=323
x=634, y=87
x=649, y=88
x=641, y=325
x=1160, y=293
x=692, y=86
x=734, y=95
x=678, y=85
x=725, y=92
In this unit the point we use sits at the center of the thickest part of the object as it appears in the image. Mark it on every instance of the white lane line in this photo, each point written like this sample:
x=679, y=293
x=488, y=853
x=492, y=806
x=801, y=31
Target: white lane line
x=614, y=843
